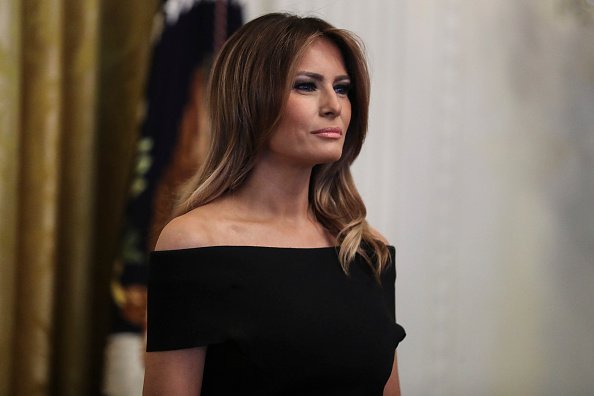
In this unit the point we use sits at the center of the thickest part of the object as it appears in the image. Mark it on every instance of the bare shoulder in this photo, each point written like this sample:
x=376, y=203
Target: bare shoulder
x=186, y=231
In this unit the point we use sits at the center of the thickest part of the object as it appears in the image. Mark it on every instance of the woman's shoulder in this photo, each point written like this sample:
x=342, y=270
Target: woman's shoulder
x=189, y=230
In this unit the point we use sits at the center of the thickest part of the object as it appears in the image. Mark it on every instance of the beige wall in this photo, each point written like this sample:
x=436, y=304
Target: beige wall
x=479, y=167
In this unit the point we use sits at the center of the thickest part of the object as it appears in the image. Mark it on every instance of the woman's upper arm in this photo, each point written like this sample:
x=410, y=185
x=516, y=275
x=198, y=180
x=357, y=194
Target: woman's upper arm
x=176, y=372
x=392, y=387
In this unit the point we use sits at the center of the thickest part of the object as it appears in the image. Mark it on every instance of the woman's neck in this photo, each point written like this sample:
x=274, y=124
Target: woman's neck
x=275, y=192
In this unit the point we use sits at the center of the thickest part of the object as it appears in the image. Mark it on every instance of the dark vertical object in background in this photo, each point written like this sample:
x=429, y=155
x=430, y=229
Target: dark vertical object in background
x=185, y=45
x=220, y=27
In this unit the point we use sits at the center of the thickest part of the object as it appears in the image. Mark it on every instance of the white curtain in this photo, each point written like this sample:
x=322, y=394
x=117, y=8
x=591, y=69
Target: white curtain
x=479, y=167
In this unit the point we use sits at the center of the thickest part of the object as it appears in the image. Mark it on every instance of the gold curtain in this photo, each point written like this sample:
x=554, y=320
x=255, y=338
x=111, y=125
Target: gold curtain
x=71, y=79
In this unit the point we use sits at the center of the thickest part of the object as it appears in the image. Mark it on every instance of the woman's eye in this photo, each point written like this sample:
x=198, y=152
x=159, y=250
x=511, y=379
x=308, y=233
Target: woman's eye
x=305, y=86
x=342, y=89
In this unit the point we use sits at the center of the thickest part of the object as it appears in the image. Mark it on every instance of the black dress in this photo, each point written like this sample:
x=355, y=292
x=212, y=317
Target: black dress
x=277, y=321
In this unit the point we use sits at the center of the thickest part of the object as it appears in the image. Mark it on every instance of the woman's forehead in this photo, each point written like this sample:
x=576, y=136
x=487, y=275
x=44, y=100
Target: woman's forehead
x=322, y=54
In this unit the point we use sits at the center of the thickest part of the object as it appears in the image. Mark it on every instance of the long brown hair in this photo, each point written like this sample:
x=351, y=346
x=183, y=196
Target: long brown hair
x=249, y=86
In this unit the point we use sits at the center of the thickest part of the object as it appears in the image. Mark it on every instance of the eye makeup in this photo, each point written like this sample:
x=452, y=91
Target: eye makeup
x=343, y=87
x=305, y=86
x=309, y=82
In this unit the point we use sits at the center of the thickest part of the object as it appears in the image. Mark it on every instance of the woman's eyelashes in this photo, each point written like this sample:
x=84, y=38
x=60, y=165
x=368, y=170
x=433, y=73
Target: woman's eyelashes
x=305, y=86
x=341, y=88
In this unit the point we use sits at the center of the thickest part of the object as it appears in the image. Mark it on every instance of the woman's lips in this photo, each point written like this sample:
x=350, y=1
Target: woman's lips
x=331, y=133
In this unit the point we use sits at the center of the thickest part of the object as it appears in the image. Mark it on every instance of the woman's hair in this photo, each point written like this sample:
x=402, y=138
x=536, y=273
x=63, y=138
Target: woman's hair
x=249, y=86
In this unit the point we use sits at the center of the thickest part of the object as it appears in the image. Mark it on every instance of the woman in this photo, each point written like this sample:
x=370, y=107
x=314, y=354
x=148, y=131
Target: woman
x=270, y=281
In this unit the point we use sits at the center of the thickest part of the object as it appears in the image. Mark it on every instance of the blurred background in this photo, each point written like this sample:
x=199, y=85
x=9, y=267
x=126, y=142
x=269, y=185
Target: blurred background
x=478, y=167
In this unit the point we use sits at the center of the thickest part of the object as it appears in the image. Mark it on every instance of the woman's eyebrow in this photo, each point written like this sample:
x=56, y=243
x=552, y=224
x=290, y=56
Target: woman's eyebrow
x=319, y=77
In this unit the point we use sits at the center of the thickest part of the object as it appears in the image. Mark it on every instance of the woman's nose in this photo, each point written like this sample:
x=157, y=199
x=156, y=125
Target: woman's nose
x=330, y=105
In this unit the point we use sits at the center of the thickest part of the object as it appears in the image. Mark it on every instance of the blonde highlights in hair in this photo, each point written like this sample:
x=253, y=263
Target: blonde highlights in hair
x=249, y=86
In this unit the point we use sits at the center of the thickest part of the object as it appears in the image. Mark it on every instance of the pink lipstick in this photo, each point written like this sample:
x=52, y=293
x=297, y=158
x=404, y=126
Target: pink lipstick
x=330, y=133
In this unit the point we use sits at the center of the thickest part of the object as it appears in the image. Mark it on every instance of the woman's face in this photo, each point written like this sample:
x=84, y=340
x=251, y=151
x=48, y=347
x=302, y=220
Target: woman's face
x=314, y=123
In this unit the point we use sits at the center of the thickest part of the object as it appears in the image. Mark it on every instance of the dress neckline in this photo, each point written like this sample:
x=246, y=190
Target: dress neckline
x=247, y=247
x=252, y=247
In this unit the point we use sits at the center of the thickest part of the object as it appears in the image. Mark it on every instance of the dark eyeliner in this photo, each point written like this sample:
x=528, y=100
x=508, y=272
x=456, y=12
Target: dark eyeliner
x=304, y=85
x=342, y=88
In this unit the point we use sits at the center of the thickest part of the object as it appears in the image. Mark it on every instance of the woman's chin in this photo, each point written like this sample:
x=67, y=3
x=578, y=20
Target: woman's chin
x=328, y=158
